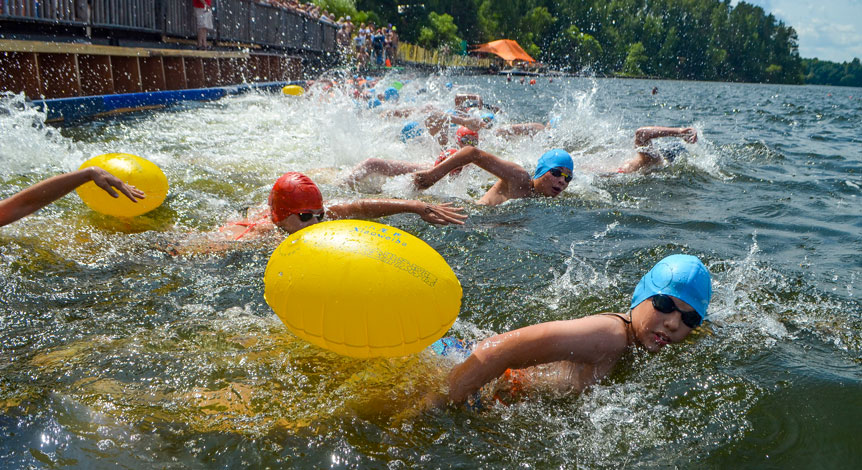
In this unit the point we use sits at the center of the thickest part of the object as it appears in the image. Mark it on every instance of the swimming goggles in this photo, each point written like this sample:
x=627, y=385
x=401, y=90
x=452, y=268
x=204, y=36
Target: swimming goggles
x=306, y=216
x=664, y=304
x=468, y=140
x=556, y=172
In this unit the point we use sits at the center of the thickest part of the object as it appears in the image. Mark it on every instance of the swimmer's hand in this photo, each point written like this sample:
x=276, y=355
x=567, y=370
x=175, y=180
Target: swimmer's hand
x=424, y=179
x=108, y=182
x=689, y=134
x=442, y=214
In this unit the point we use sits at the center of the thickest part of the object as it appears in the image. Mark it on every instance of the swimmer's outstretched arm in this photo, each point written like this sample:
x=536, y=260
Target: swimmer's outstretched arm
x=45, y=192
x=526, y=128
x=513, y=175
x=474, y=124
x=461, y=100
x=593, y=340
x=439, y=214
x=379, y=166
x=644, y=135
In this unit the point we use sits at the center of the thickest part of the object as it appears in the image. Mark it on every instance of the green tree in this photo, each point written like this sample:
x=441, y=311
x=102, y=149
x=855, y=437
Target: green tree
x=573, y=50
x=441, y=32
x=635, y=60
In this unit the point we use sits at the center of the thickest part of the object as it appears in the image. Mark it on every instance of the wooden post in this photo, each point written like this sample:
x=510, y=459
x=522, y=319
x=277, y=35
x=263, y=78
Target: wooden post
x=96, y=76
x=152, y=73
x=59, y=75
x=127, y=74
x=175, y=73
x=19, y=72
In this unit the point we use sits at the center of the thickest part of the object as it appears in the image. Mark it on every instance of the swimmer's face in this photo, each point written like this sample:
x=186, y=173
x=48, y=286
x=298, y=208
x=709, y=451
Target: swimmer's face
x=654, y=329
x=553, y=182
x=296, y=222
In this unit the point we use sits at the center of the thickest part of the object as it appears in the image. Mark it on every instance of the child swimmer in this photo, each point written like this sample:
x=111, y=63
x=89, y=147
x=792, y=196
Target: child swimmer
x=295, y=202
x=552, y=176
x=668, y=303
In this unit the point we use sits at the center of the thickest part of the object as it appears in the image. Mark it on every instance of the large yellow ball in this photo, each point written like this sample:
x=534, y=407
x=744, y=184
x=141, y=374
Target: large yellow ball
x=293, y=90
x=133, y=170
x=362, y=289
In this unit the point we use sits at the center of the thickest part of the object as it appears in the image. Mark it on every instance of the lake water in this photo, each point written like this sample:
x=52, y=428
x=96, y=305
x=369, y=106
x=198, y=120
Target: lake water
x=114, y=354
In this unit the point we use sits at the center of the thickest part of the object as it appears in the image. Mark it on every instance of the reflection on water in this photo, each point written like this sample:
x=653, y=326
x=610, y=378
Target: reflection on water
x=113, y=351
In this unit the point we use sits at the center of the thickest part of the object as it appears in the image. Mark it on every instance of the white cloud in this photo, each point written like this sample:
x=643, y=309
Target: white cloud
x=827, y=29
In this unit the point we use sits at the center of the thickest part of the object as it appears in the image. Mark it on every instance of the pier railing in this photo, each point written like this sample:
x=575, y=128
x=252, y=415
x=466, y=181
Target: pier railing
x=236, y=21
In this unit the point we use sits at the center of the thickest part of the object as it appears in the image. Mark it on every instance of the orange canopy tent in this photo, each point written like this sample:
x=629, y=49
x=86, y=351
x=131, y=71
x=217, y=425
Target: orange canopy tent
x=507, y=49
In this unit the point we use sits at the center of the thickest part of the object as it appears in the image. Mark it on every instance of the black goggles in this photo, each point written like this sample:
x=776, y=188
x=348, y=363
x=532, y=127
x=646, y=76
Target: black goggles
x=558, y=172
x=664, y=304
x=306, y=216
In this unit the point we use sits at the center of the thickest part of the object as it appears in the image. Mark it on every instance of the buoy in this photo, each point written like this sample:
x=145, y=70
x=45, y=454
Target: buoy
x=293, y=90
x=362, y=289
x=133, y=170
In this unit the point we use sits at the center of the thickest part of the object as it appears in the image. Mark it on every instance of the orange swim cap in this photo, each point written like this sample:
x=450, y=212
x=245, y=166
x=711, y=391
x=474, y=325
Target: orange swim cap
x=465, y=136
x=293, y=193
x=443, y=156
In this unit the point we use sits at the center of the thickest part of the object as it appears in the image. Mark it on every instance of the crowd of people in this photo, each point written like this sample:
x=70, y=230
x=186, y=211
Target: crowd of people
x=307, y=9
x=365, y=45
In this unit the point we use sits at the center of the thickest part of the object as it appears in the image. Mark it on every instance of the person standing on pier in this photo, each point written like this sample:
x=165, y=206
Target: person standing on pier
x=204, y=20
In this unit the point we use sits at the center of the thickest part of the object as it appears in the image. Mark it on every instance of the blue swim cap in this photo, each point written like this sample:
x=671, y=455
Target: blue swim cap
x=554, y=122
x=682, y=276
x=410, y=130
x=449, y=85
x=373, y=103
x=551, y=159
x=390, y=93
x=487, y=116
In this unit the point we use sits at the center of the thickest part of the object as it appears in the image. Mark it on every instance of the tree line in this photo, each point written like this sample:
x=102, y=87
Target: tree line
x=678, y=39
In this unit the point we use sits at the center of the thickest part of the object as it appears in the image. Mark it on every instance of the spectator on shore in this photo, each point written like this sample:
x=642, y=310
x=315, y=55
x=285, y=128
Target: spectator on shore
x=392, y=45
x=203, y=19
x=378, y=41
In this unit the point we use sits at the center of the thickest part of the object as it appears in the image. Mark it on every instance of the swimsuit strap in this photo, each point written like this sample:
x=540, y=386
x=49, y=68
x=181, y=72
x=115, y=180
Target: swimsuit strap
x=620, y=316
x=248, y=224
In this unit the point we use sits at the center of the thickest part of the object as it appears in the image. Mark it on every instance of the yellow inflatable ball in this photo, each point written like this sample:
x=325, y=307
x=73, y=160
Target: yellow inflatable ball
x=362, y=289
x=293, y=90
x=133, y=170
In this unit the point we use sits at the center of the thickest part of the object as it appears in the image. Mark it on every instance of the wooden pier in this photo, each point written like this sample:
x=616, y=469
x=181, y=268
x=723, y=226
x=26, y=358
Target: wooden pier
x=46, y=70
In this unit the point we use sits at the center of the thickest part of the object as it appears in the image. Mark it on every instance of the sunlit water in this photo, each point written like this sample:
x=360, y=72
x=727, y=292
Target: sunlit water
x=114, y=353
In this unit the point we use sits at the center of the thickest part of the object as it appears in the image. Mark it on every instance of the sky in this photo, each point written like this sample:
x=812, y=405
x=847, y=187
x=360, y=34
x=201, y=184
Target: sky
x=827, y=29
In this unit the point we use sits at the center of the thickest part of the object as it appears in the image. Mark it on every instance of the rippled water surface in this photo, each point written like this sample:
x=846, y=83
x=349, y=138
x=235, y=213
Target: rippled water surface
x=114, y=353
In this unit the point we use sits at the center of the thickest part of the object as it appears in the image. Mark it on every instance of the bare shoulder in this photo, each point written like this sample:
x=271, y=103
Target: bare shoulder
x=605, y=333
x=495, y=196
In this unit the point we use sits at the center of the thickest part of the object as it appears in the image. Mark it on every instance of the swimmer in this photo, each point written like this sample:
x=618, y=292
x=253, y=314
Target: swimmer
x=552, y=176
x=435, y=122
x=295, y=202
x=378, y=166
x=668, y=303
x=45, y=192
x=648, y=156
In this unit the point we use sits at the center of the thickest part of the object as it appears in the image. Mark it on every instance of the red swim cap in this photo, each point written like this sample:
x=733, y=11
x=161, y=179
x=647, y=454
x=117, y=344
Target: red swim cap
x=464, y=134
x=443, y=156
x=293, y=193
